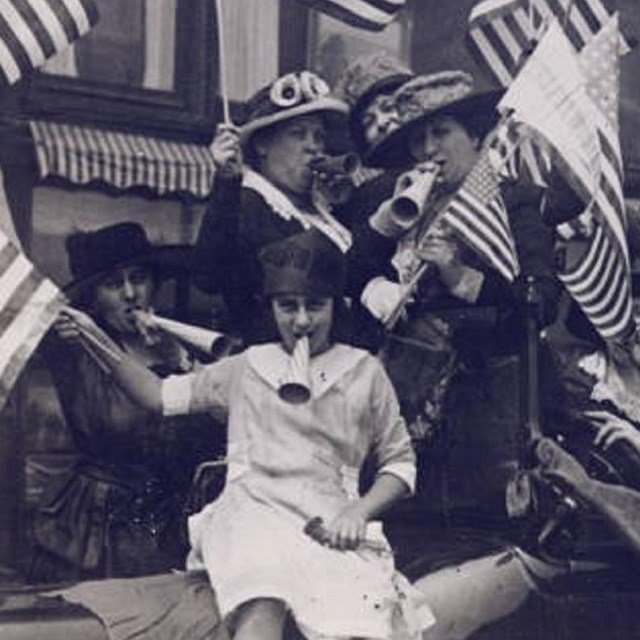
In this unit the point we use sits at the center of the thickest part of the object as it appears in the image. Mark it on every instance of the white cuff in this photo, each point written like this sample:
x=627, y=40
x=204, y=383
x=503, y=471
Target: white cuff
x=468, y=286
x=176, y=395
x=381, y=296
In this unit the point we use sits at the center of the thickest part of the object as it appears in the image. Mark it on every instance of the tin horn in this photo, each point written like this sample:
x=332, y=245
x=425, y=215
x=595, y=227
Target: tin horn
x=400, y=213
x=296, y=387
x=198, y=337
x=346, y=164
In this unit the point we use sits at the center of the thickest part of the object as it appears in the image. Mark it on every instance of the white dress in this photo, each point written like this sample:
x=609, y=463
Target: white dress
x=290, y=463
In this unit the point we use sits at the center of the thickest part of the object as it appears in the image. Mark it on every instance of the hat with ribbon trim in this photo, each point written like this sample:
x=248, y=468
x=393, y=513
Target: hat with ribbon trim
x=292, y=95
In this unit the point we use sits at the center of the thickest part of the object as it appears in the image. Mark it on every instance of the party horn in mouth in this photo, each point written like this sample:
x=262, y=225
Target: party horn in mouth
x=296, y=386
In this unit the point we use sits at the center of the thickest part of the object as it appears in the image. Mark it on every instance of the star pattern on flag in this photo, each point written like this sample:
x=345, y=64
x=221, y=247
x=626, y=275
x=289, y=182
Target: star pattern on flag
x=482, y=181
x=598, y=62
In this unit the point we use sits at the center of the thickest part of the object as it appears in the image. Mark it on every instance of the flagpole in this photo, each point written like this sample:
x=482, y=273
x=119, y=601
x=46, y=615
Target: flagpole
x=222, y=65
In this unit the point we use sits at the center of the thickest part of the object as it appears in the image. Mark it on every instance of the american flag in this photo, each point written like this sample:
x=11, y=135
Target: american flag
x=549, y=97
x=478, y=216
x=601, y=281
x=32, y=31
x=501, y=31
x=29, y=303
x=374, y=15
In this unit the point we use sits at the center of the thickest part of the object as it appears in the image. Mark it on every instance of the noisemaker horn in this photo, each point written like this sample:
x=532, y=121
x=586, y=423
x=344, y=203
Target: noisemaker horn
x=346, y=164
x=198, y=337
x=296, y=387
x=399, y=214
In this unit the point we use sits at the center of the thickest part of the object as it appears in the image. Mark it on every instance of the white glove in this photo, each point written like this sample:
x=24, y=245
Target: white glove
x=381, y=297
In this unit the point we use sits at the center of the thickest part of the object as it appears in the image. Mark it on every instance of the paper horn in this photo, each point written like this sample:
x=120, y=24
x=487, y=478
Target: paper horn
x=345, y=164
x=397, y=215
x=296, y=387
x=198, y=337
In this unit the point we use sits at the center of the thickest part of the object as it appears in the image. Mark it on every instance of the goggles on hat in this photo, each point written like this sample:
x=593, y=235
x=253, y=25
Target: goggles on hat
x=295, y=88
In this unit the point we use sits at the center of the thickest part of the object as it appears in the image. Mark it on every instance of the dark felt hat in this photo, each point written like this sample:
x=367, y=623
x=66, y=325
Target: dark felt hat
x=307, y=263
x=443, y=93
x=292, y=95
x=94, y=254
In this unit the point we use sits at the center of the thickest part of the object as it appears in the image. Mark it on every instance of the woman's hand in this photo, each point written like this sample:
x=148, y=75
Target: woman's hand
x=71, y=323
x=347, y=530
x=612, y=428
x=443, y=252
x=226, y=151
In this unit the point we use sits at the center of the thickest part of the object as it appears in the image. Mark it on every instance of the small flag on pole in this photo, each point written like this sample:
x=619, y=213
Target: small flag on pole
x=374, y=15
x=29, y=303
x=477, y=214
x=32, y=31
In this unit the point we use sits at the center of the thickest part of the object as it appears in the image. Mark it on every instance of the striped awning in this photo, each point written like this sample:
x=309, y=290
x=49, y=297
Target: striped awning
x=83, y=155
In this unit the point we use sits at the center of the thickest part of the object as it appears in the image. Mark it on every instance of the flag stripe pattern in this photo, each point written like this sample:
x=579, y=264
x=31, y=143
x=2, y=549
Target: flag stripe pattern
x=602, y=283
x=500, y=30
x=32, y=31
x=374, y=15
x=601, y=286
x=478, y=216
x=29, y=303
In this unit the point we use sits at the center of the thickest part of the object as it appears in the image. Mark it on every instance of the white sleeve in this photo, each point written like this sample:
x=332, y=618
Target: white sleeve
x=176, y=394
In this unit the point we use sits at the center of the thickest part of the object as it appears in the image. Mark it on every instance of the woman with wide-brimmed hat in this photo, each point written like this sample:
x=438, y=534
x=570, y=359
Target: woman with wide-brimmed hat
x=264, y=191
x=120, y=508
x=444, y=123
x=451, y=355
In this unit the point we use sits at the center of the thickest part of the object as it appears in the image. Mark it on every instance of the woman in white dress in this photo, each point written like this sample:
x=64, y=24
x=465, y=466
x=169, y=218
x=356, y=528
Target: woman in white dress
x=290, y=464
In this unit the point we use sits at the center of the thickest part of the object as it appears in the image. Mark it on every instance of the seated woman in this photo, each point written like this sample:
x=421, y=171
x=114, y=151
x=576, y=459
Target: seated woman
x=264, y=190
x=291, y=530
x=120, y=510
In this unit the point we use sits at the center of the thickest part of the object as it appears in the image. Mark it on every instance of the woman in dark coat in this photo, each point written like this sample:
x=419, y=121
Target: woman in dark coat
x=121, y=509
x=265, y=190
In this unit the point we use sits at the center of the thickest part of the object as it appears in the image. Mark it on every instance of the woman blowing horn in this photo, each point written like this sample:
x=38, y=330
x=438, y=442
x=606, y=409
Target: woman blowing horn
x=264, y=190
x=119, y=511
x=291, y=464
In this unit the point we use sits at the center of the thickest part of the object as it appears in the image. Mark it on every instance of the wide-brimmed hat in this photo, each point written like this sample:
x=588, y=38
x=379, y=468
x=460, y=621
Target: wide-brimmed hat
x=292, y=95
x=443, y=93
x=92, y=255
x=361, y=82
x=307, y=263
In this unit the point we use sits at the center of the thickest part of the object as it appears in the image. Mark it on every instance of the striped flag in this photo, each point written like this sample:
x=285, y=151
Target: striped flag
x=501, y=31
x=477, y=214
x=600, y=280
x=374, y=15
x=549, y=96
x=29, y=303
x=32, y=31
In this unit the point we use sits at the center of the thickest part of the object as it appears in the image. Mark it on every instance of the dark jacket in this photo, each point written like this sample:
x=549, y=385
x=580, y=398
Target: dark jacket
x=238, y=223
